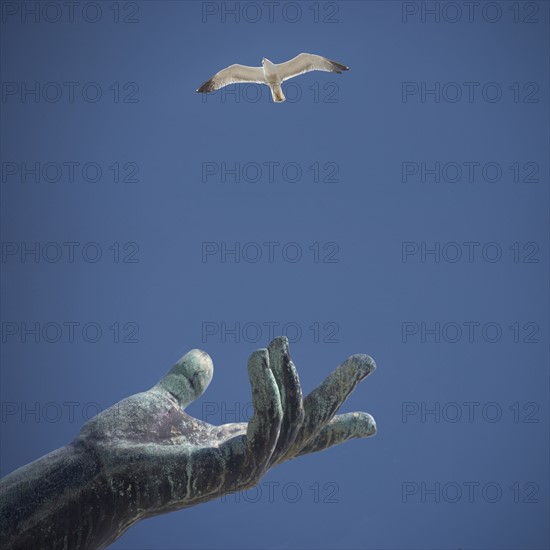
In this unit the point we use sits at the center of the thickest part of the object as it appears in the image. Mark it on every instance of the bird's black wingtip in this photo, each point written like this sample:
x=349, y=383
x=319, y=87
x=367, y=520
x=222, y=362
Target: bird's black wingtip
x=206, y=87
x=339, y=68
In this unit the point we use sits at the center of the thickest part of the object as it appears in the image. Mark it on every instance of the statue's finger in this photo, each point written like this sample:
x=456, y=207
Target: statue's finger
x=323, y=402
x=265, y=424
x=291, y=395
x=188, y=378
x=340, y=429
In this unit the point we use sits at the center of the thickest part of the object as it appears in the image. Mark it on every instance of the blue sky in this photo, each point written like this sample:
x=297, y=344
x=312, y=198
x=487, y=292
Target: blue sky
x=399, y=209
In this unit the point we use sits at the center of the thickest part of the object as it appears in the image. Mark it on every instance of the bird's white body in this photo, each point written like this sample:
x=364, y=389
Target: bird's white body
x=271, y=74
x=273, y=80
x=270, y=71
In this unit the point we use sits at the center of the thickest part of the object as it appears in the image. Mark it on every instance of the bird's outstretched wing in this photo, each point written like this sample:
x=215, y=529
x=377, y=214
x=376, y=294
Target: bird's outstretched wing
x=306, y=62
x=231, y=75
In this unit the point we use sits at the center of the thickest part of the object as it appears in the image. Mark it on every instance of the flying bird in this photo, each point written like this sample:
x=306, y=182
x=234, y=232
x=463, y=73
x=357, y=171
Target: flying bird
x=271, y=74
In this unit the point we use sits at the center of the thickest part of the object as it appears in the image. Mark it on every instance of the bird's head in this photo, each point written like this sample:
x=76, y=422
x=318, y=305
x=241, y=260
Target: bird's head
x=265, y=60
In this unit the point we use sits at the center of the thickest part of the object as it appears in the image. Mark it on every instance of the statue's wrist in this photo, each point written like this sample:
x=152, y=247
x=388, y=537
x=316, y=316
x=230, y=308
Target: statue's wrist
x=51, y=489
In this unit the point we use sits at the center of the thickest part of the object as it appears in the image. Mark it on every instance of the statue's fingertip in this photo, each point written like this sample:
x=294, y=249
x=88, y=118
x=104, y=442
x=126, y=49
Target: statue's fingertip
x=195, y=355
x=365, y=364
x=364, y=424
x=258, y=357
x=189, y=376
x=279, y=343
x=371, y=425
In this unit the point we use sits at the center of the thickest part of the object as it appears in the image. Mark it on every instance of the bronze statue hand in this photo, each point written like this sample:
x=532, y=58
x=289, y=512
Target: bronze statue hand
x=145, y=456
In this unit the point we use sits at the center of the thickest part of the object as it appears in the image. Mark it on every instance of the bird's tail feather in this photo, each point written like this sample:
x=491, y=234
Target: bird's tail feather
x=277, y=93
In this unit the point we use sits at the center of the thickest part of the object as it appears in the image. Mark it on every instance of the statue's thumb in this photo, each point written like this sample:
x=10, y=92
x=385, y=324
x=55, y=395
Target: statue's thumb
x=189, y=377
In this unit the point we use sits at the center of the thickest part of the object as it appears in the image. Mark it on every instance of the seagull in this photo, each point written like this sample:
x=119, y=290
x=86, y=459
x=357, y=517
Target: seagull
x=271, y=74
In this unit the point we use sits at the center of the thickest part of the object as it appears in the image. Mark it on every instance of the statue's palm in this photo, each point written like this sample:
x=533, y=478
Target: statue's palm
x=171, y=460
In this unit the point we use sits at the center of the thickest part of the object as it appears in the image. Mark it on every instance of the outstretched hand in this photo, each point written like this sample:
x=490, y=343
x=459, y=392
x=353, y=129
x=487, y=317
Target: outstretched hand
x=192, y=461
x=145, y=456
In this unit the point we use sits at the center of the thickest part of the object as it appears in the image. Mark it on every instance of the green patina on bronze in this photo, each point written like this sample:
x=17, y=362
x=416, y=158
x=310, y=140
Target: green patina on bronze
x=145, y=456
